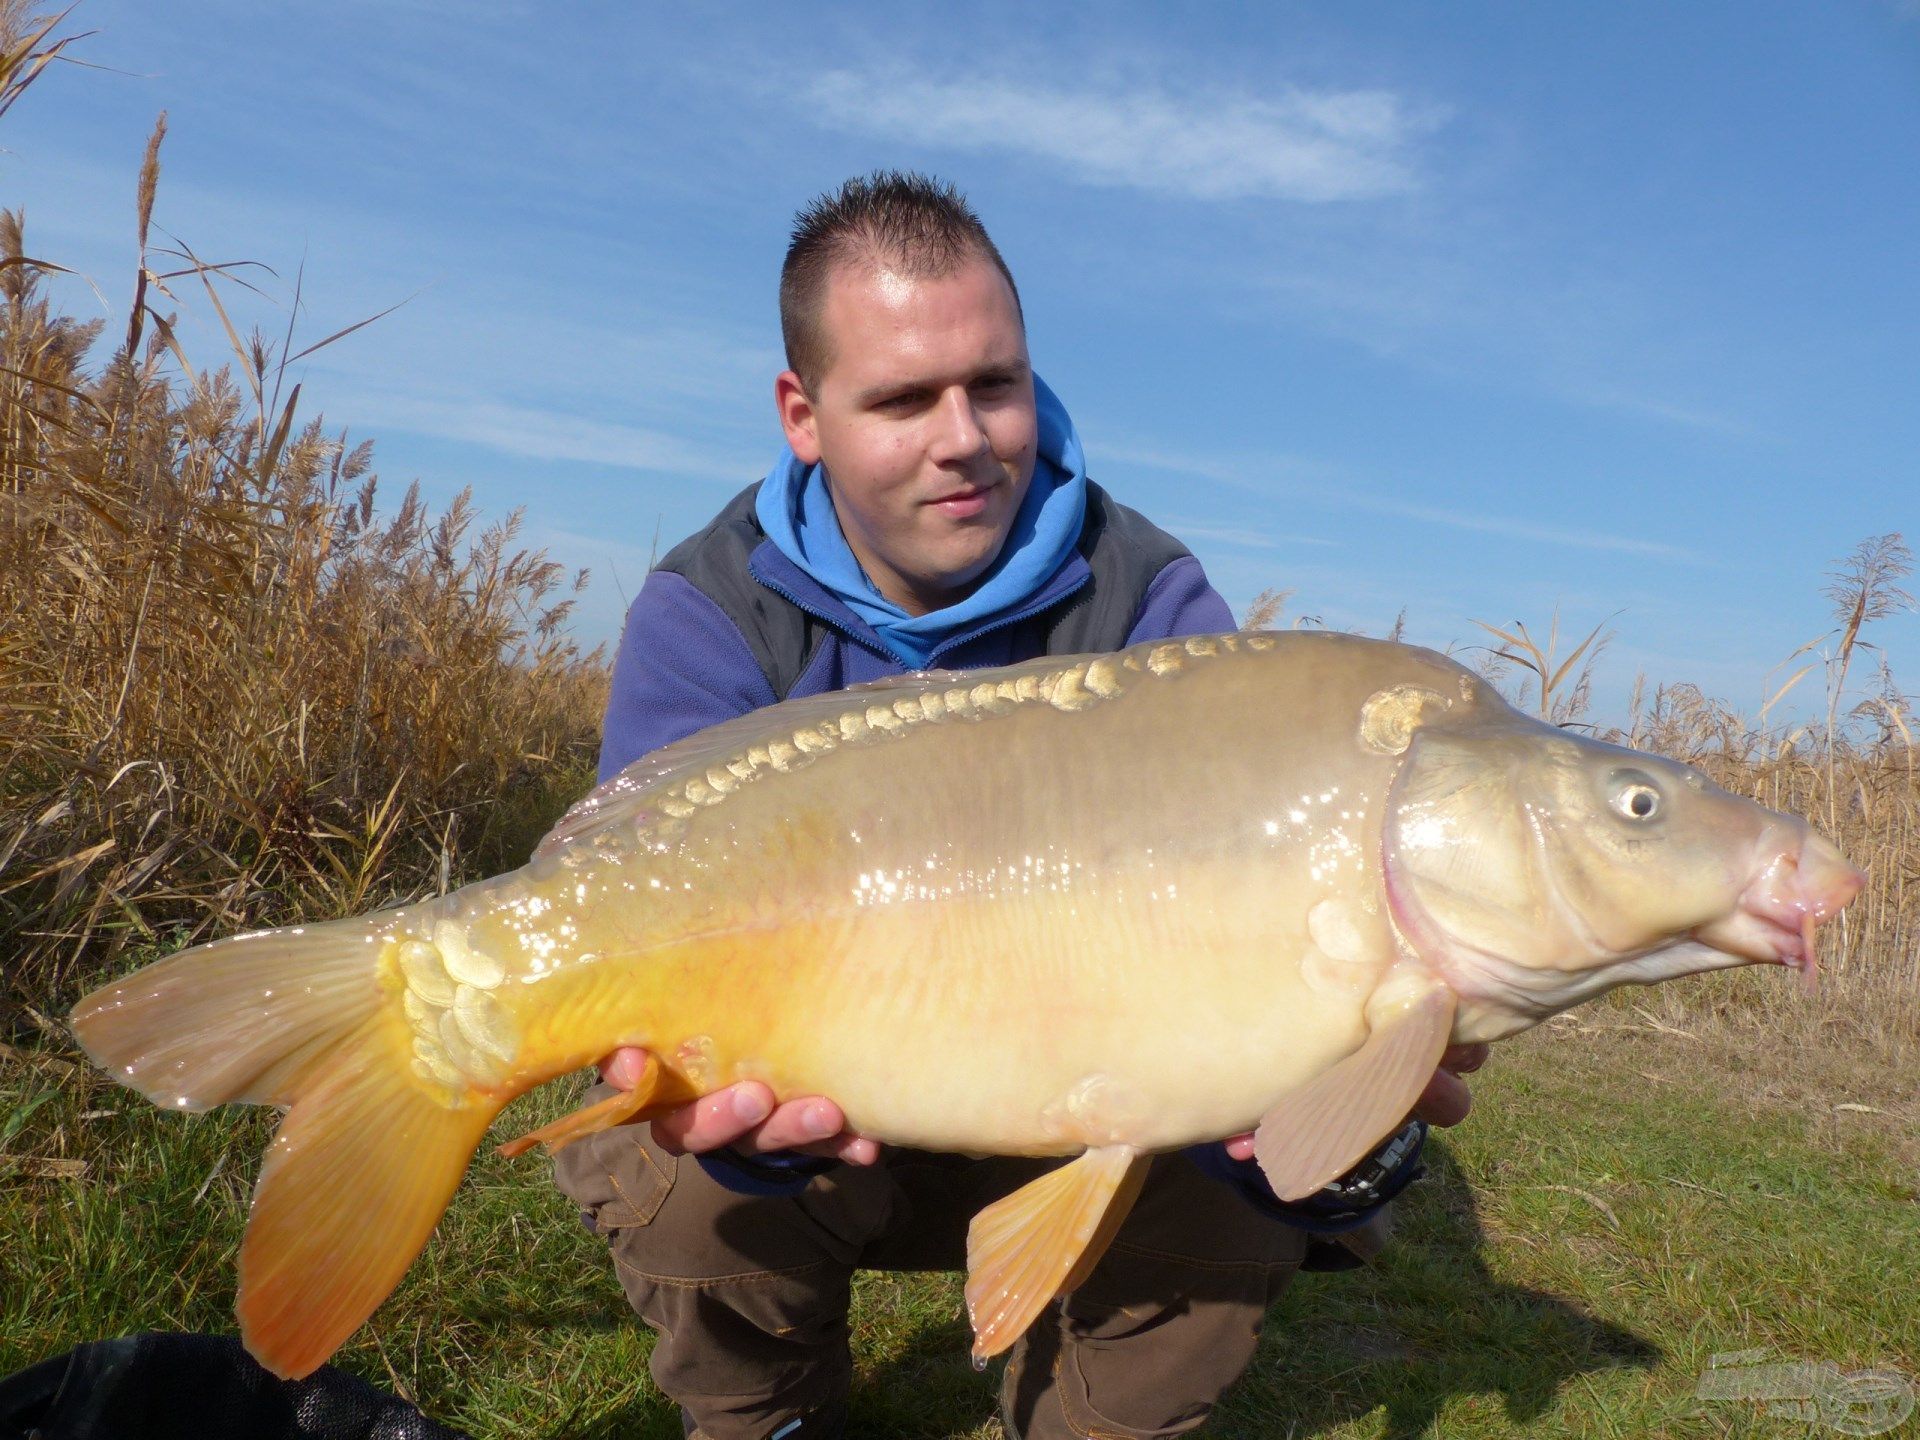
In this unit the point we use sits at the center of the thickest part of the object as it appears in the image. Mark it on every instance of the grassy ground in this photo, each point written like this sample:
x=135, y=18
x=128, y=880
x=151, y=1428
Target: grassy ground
x=1629, y=1199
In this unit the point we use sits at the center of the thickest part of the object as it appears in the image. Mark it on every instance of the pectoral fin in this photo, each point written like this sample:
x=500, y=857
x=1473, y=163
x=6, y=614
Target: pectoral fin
x=1044, y=1238
x=645, y=1100
x=1325, y=1128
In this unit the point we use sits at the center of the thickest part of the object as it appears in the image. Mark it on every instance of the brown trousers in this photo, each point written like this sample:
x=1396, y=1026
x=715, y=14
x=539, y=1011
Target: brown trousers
x=749, y=1294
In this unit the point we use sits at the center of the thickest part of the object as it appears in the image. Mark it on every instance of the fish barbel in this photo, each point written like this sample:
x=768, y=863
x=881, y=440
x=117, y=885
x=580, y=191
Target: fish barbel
x=1094, y=906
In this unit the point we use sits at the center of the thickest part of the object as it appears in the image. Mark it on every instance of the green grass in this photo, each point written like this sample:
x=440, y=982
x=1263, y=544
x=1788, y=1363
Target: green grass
x=1619, y=1209
x=1623, y=1205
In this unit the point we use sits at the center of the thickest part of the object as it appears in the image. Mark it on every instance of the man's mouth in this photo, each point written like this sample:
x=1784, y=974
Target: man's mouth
x=964, y=502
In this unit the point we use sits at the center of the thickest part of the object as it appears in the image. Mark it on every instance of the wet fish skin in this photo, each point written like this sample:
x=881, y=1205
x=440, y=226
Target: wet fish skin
x=1098, y=906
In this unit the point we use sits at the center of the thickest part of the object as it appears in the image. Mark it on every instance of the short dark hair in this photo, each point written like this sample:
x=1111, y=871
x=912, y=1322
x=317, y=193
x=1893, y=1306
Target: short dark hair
x=905, y=221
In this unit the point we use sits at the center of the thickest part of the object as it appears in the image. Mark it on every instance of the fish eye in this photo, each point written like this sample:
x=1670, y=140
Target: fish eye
x=1635, y=797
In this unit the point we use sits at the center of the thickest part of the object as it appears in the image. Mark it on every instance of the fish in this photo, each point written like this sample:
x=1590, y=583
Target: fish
x=1095, y=907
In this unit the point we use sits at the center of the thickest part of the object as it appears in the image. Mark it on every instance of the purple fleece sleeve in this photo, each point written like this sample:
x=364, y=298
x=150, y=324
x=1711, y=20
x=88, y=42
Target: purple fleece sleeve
x=682, y=666
x=1181, y=602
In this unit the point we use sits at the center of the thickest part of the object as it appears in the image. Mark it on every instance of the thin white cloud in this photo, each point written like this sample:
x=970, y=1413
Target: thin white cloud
x=558, y=538
x=1296, y=144
x=1690, y=416
x=1329, y=490
x=1515, y=529
x=547, y=435
x=1457, y=305
x=1241, y=537
x=1253, y=473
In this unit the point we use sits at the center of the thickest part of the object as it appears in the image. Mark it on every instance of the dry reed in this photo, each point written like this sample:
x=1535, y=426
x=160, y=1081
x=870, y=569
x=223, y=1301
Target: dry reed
x=232, y=692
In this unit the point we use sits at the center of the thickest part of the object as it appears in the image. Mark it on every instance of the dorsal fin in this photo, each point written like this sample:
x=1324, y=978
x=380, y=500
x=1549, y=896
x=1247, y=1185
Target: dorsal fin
x=622, y=796
x=702, y=769
x=728, y=748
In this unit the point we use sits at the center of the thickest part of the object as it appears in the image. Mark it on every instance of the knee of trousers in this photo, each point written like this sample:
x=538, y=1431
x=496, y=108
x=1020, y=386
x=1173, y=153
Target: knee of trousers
x=1168, y=1319
x=748, y=1294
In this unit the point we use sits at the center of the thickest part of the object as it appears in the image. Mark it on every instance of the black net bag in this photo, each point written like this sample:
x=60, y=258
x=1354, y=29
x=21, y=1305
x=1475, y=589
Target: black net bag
x=196, y=1387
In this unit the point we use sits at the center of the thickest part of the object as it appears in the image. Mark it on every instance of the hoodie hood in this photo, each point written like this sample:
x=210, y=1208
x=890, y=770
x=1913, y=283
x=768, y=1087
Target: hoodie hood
x=795, y=508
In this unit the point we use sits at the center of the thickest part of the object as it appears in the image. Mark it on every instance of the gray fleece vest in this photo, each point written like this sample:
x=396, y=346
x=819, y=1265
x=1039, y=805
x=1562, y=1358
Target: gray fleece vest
x=1122, y=548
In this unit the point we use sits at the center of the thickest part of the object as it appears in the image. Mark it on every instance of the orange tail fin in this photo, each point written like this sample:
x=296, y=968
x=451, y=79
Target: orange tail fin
x=363, y=1166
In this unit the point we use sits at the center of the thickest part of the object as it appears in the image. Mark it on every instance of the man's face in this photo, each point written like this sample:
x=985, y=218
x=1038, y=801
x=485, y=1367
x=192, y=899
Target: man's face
x=924, y=419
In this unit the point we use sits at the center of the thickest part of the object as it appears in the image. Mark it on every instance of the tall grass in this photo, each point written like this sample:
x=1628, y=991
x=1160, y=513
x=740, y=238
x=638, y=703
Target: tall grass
x=233, y=690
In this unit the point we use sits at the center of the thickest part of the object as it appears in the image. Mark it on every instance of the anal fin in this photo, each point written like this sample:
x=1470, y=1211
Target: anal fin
x=1044, y=1238
x=1325, y=1128
x=643, y=1102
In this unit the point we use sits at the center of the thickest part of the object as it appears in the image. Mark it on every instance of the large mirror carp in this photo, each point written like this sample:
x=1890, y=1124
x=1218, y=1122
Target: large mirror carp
x=1094, y=906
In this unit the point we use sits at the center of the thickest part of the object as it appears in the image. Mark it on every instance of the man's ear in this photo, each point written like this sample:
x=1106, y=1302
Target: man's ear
x=797, y=417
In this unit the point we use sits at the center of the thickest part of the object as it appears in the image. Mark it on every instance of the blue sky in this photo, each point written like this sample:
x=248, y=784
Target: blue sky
x=1478, y=310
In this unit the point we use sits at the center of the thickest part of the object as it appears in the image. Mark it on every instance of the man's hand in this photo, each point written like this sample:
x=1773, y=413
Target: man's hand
x=745, y=1117
x=1445, y=1101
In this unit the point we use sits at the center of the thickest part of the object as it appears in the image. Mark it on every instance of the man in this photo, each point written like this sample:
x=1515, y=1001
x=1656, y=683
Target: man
x=931, y=510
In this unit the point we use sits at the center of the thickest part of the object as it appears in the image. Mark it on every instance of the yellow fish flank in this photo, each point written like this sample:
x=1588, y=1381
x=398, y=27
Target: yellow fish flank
x=1098, y=906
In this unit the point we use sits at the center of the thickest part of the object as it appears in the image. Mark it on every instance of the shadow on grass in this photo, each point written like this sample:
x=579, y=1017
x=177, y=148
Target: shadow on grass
x=1385, y=1350
x=653, y=1419
x=925, y=1390
x=1428, y=1324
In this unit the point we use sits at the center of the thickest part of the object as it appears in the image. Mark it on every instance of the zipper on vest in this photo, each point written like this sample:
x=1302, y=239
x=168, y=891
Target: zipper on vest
x=1076, y=594
x=825, y=619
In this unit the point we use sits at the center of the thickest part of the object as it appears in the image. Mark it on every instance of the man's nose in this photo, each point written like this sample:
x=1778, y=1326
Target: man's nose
x=960, y=435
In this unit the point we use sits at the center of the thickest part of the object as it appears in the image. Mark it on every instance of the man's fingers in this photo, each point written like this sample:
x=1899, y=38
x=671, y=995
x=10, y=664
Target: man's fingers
x=1445, y=1101
x=745, y=1117
x=808, y=1124
x=624, y=1067
x=848, y=1148
x=714, y=1120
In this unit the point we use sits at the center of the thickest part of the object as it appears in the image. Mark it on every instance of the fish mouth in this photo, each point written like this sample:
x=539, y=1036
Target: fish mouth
x=1779, y=911
x=1750, y=937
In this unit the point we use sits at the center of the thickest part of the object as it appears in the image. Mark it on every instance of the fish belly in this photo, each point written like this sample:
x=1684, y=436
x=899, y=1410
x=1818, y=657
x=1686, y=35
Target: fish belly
x=1033, y=1024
